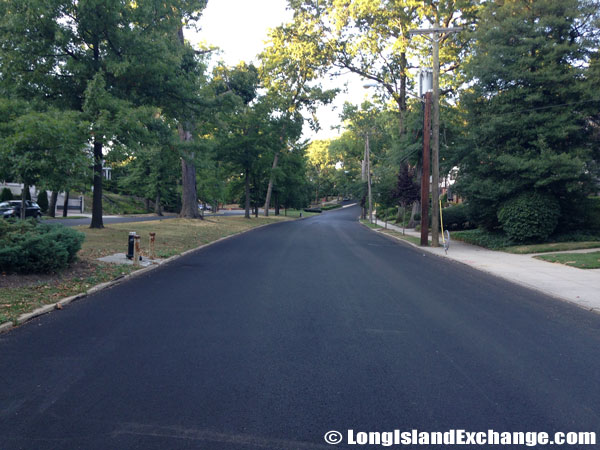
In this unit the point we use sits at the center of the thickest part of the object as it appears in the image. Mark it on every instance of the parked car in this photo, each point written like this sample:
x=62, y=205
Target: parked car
x=202, y=206
x=12, y=208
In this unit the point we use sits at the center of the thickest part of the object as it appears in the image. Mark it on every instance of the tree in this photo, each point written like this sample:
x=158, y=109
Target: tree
x=36, y=144
x=102, y=57
x=247, y=130
x=153, y=168
x=407, y=191
x=289, y=69
x=526, y=110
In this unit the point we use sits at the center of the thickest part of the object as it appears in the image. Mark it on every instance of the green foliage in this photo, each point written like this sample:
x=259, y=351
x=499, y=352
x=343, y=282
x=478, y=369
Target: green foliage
x=42, y=201
x=456, y=218
x=494, y=240
x=29, y=247
x=592, y=214
x=525, y=111
x=530, y=217
x=6, y=195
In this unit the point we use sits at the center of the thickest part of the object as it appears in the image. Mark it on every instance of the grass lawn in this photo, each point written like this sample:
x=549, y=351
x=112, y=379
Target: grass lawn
x=552, y=247
x=116, y=204
x=415, y=240
x=579, y=260
x=23, y=293
x=370, y=225
x=295, y=213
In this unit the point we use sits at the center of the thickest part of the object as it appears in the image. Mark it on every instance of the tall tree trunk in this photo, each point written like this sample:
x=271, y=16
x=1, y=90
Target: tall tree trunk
x=97, y=197
x=270, y=187
x=66, y=204
x=157, y=208
x=247, y=190
x=147, y=204
x=189, y=192
x=52, y=206
x=276, y=203
x=23, y=212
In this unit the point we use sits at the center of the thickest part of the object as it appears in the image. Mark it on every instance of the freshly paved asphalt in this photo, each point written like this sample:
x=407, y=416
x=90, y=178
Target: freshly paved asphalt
x=270, y=339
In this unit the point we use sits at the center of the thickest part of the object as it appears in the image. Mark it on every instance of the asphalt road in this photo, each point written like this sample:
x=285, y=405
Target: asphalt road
x=270, y=339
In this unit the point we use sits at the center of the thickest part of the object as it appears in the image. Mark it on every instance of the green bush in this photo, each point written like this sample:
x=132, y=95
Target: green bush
x=29, y=247
x=42, y=201
x=529, y=217
x=489, y=239
x=592, y=213
x=456, y=218
x=6, y=195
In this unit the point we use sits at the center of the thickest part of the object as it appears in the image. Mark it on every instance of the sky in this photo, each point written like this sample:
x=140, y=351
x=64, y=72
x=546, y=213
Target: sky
x=239, y=28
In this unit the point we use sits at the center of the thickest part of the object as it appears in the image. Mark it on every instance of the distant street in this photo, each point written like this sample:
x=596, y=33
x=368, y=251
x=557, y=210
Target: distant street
x=273, y=338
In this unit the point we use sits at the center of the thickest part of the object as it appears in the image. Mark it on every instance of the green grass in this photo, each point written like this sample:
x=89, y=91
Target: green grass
x=20, y=300
x=579, y=260
x=552, y=247
x=173, y=236
x=295, y=213
x=370, y=225
x=405, y=237
x=117, y=204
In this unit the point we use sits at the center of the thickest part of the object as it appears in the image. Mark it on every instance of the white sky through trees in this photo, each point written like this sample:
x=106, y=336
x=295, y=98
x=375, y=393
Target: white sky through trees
x=239, y=28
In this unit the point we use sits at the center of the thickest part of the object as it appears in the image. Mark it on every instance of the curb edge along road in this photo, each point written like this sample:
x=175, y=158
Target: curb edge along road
x=518, y=282
x=7, y=326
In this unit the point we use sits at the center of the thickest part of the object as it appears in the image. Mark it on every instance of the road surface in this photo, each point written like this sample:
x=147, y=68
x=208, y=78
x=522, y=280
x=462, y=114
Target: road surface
x=273, y=338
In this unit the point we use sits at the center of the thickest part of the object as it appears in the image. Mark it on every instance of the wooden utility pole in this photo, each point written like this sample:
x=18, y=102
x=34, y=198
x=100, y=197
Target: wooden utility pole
x=425, y=176
x=438, y=33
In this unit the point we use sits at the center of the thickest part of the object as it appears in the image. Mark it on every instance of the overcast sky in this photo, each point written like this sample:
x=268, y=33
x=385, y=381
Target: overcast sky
x=239, y=28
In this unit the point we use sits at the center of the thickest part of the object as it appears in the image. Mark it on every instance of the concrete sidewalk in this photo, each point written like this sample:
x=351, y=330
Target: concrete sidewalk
x=579, y=286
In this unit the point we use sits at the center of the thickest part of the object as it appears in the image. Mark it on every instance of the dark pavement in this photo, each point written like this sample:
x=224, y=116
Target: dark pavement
x=270, y=339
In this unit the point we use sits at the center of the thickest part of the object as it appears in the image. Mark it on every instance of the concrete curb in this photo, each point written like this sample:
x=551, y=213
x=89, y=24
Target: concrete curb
x=7, y=326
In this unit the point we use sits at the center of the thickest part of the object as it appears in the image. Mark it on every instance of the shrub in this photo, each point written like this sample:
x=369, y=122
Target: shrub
x=28, y=247
x=529, y=217
x=489, y=239
x=592, y=213
x=6, y=195
x=42, y=201
x=456, y=218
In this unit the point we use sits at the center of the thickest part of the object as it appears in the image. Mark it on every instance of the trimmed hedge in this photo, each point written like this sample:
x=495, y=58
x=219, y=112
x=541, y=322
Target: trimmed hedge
x=6, y=195
x=30, y=247
x=456, y=218
x=42, y=201
x=529, y=217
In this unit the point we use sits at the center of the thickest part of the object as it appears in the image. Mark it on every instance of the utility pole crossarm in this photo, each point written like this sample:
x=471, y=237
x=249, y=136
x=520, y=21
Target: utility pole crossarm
x=434, y=30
